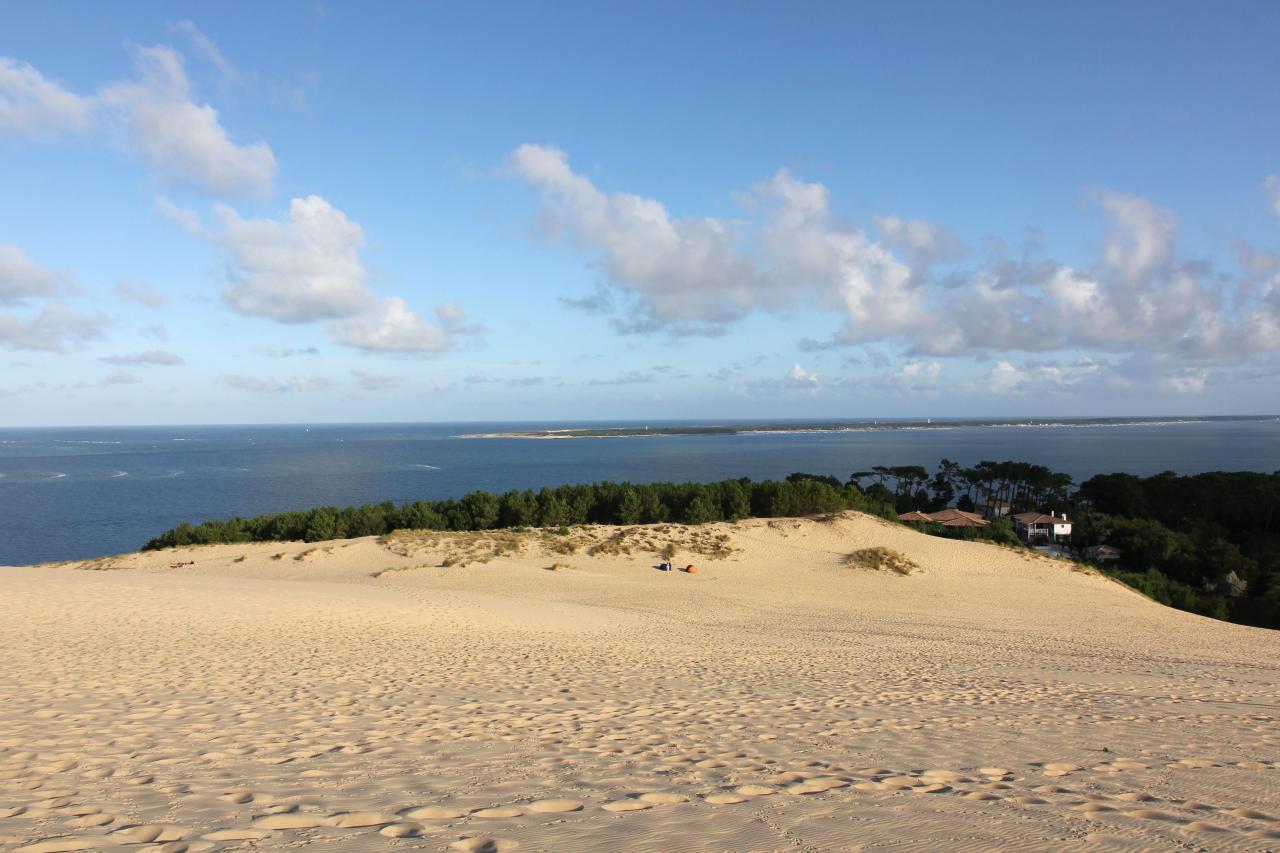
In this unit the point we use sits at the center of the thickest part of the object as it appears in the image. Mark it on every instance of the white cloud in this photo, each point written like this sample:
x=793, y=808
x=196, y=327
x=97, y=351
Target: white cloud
x=798, y=377
x=183, y=139
x=140, y=292
x=208, y=49
x=22, y=278
x=33, y=106
x=183, y=216
x=630, y=377
x=389, y=326
x=285, y=352
x=915, y=375
x=258, y=385
x=306, y=267
x=1039, y=377
x=683, y=272
x=118, y=379
x=1187, y=382
x=155, y=356
x=376, y=381
x=795, y=379
x=303, y=268
x=55, y=328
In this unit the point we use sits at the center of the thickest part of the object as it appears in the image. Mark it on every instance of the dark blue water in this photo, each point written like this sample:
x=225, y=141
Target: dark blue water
x=72, y=493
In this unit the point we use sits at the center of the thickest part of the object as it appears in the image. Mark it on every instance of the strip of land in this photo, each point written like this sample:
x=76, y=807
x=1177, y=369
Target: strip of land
x=631, y=431
x=816, y=684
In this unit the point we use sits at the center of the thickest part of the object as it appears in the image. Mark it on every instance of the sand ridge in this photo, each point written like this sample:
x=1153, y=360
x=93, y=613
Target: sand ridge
x=363, y=695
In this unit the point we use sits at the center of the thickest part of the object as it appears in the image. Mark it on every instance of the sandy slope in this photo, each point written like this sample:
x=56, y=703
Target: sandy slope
x=357, y=696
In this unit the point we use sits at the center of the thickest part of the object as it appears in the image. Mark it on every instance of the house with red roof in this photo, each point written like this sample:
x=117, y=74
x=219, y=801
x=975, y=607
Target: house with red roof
x=1036, y=528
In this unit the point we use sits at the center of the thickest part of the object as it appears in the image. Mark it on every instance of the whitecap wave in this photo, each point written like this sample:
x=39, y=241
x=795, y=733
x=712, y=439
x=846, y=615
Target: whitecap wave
x=57, y=476
x=119, y=474
x=427, y=467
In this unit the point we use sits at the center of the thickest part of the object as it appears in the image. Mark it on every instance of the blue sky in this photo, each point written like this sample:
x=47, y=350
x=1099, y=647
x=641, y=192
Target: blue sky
x=341, y=212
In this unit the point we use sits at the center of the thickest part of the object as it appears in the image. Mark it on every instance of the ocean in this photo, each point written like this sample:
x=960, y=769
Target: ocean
x=71, y=493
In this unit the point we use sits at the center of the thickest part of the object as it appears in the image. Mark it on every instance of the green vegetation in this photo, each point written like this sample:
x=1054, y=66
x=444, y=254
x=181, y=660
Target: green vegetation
x=881, y=558
x=554, y=508
x=1208, y=543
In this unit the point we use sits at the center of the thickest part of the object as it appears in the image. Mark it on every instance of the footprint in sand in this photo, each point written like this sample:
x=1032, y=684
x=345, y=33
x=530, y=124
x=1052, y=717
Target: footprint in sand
x=554, y=806
x=498, y=812
x=1059, y=768
x=359, y=820
x=289, y=820
x=407, y=829
x=150, y=833
x=237, y=835
x=60, y=845
x=1152, y=814
x=481, y=844
x=935, y=788
x=436, y=813
x=755, y=790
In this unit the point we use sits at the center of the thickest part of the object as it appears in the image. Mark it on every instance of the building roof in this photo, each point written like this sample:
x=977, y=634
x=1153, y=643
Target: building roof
x=914, y=515
x=1040, y=518
x=951, y=517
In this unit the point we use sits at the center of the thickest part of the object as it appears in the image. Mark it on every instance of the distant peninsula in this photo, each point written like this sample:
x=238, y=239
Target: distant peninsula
x=694, y=429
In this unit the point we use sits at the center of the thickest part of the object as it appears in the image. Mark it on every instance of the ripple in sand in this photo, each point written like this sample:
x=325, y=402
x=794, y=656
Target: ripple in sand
x=626, y=806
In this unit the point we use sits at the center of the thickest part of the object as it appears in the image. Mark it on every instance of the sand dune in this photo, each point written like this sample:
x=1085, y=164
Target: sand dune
x=359, y=695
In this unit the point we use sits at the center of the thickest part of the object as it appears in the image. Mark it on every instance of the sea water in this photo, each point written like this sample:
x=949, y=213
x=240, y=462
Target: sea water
x=70, y=493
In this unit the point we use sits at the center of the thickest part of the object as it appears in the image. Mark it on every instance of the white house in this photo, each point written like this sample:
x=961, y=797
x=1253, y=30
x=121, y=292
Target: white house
x=1036, y=527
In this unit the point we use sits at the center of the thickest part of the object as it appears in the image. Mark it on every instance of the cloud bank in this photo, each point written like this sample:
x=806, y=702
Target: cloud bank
x=908, y=282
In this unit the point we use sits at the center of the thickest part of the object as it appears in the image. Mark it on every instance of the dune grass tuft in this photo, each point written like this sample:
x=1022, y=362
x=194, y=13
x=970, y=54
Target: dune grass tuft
x=880, y=558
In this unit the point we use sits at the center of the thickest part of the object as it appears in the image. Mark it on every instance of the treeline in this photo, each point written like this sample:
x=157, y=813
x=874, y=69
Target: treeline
x=594, y=503
x=1017, y=485
x=1208, y=543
